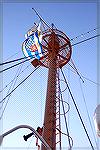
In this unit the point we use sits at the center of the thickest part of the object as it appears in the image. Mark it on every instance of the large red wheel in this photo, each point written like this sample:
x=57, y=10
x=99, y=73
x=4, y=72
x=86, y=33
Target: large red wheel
x=62, y=49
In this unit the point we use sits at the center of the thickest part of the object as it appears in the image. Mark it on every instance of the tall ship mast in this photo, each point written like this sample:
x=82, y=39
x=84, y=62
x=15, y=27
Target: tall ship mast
x=45, y=46
x=58, y=48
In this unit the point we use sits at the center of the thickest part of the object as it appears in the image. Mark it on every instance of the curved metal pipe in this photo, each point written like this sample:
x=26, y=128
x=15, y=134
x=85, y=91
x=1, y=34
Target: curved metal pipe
x=28, y=127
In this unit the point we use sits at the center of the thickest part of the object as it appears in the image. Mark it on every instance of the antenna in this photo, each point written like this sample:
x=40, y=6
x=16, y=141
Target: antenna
x=41, y=18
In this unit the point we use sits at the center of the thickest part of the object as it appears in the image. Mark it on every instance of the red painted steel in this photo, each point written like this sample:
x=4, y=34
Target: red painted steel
x=57, y=48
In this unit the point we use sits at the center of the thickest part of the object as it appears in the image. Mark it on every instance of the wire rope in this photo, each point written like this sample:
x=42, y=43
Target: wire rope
x=22, y=81
x=11, y=61
x=65, y=87
x=28, y=59
x=66, y=135
x=68, y=107
x=65, y=119
x=12, y=85
x=86, y=39
x=90, y=80
x=82, y=75
x=86, y=105
x=7, y=62
x=87, y=112
x=12, y=82
x=41, y=19
x=85, y=102
x=39, y=66
x=76, y=70
x=18, y=63
x=82, y=35
x=14, y=65
x=77, y=111
x=19, y=84
x=14, y=78
x=12, y=55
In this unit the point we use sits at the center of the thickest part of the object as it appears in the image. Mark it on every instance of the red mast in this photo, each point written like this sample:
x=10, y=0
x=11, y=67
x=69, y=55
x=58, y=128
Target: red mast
x=57, y=47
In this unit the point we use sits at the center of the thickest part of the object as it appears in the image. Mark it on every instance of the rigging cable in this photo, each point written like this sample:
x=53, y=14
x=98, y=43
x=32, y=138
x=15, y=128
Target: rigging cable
x=29, y=59
x=77, y=110
x=11, y=61
x=82, y=35
x=41, y=18
x=18, y=63
x=14, y=65
x=68, y=107
x=77, y=70
x=82, y=75
x=12, y=85
x=90, y=80
x=86, y=39
x=84, y=99
x=12, y=55
x=14, y=78
x=66, y=135
x=65, y=119
x=17, y=76
x=7, y=62
x=19, y=84
x=87, y=112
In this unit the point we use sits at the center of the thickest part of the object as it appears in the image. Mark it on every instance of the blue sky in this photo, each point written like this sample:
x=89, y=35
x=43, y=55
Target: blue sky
x=26, y=104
